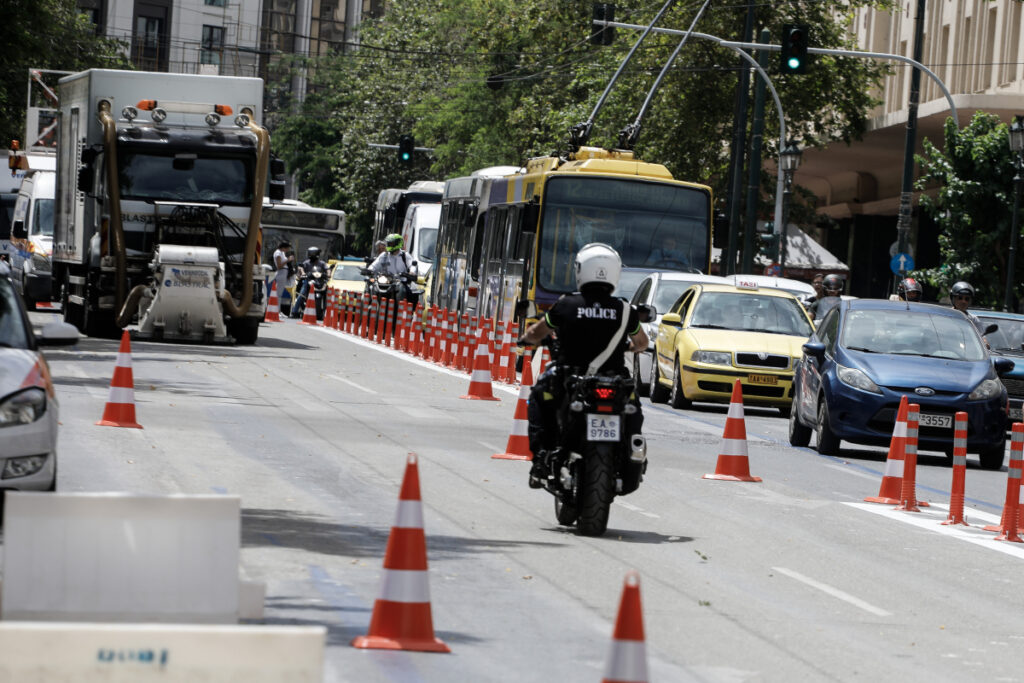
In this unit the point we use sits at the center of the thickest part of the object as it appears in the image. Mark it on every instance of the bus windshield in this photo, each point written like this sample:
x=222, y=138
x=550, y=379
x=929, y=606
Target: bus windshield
x=650, y=224
x=165, y=177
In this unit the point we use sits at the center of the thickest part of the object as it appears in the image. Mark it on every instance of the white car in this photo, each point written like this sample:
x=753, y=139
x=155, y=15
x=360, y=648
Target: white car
x=660, y=289
x=798, y=288
x=28, y=404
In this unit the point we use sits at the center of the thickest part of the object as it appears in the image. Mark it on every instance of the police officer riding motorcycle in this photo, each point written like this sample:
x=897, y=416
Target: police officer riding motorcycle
x=584, y=415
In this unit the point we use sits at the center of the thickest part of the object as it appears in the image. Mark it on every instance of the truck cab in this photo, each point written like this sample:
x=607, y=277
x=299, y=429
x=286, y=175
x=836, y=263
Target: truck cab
x=31, y=238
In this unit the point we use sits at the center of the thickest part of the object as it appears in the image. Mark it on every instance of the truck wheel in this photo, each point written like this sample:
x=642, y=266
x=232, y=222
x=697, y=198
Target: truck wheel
x=245, y=330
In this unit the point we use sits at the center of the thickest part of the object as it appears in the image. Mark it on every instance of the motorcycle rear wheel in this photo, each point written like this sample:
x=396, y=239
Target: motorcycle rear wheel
x=596, y=488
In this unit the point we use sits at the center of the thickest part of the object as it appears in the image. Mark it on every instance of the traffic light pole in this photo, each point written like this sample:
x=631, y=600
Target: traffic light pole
x=741, y=48
x=906, y=190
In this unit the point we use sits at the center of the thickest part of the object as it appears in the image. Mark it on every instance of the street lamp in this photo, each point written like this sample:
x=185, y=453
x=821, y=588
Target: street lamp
x=789, y=161
x=1017, y=147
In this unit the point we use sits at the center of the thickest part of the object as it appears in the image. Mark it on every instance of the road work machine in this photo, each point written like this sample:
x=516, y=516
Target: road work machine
x=160, y=185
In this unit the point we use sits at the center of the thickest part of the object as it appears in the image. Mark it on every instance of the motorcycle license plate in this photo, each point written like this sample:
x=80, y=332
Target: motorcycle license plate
x=763, y=379
x=603, y=427
x=928, y=420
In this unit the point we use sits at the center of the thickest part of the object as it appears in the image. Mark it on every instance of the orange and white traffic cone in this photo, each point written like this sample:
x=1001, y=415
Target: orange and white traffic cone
x=480, y=381
x=892, y=480
x=273, y=313
x=908, y=488
x=1009, y=522
x=401, y=615
x=627, y=659
x=120, y=408
x=309, y=315
x=545, y=358
x=956, y=491
x=518, y=446
x=329, y=312
x=733, y=464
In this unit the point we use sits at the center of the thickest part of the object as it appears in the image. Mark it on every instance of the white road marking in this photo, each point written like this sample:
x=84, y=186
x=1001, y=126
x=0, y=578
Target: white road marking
x=491, y=447
x=834, y=592
x=931, y=519
x=634, y=508
x=850, y=470
x=353, y=384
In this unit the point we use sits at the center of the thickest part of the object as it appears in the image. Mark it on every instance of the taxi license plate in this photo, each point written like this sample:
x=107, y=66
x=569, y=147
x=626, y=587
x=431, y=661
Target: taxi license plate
x=928, y=420
x=763, y=379
x=602, y=427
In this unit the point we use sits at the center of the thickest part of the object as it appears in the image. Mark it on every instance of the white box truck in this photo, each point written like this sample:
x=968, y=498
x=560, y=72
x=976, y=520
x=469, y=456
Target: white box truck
x=160, y=185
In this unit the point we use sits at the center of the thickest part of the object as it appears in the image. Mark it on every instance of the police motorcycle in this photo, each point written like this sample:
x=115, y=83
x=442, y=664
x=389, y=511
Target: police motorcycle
x=317, y=278
x=596, y=458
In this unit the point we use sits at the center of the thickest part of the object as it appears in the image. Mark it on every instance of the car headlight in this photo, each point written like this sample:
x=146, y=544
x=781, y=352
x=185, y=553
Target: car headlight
x=856, y=379
x=712, y=357
x=22, y=467
x=41, y=262
x=23, y=407
x=989, y=388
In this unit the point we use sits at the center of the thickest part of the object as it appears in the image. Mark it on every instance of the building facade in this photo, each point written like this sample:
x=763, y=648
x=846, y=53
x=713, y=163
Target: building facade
x=974, y=47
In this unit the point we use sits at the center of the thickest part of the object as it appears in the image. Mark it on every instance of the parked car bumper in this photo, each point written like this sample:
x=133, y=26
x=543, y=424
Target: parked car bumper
x=760, y=387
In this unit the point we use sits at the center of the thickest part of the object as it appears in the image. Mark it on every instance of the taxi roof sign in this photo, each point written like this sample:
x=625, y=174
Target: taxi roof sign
x=746, y=284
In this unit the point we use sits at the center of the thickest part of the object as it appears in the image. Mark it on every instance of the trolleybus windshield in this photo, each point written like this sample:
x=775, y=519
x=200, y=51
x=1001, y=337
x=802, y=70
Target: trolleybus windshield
x=650, y=224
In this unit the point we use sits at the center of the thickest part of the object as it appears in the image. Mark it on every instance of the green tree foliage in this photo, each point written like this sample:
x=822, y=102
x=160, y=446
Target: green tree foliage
x=973, y=206
x=424, y=67
x=45, y=34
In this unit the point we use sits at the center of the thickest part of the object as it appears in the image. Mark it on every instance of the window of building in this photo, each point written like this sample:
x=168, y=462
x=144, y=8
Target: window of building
x=214, y=3
x=213, y=44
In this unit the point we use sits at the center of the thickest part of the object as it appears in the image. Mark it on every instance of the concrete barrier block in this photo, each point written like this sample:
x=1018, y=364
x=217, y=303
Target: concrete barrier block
x=121, y=557
x=168, y=653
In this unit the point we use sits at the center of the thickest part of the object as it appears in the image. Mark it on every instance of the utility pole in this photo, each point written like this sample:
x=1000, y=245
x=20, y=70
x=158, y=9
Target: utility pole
x=727, y=265
x=906, y=191
x=754, y=173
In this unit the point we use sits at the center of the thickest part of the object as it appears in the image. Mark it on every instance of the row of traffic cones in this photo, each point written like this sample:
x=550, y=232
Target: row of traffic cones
x=402, y=617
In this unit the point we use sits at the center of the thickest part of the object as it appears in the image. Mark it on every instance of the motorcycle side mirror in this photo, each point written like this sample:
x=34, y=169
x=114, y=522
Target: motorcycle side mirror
x=992, y=327
x=646, y=312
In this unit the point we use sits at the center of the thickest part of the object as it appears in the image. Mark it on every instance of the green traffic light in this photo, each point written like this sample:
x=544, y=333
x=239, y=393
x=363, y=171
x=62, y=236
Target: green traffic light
x=793, y=63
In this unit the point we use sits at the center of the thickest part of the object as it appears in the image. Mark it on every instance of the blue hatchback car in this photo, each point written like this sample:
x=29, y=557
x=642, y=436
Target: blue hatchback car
x=868, y=353
x=1008, y=341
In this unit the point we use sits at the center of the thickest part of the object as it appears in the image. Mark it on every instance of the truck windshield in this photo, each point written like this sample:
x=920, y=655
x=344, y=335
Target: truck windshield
x=43, y=218
x=214, y=180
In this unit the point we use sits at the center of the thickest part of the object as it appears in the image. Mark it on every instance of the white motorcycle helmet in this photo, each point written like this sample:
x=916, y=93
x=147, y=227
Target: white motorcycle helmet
x=597, y=264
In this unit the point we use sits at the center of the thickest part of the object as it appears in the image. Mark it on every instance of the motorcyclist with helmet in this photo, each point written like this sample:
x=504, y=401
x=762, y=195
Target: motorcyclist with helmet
x=908, y=289
x=833, y=288
x=395, y=261
x=961, y=295
x=591, y=326
x=313, y=263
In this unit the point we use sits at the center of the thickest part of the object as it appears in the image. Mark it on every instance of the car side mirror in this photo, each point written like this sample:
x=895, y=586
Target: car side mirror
x=62, y=334
x=815, y=349
x=672, y=319
x=992, y=327
x=18, y=230
x=1002, y=365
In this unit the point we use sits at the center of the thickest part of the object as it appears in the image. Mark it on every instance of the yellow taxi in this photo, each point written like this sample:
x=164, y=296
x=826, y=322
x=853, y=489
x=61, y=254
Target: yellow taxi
x=715, y=334
x=345, y=275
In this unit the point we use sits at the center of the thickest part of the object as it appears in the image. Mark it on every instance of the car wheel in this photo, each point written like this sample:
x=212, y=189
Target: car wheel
x=799, y=435
x=992, y=458
x=659, y=394
x=642, y=388
x=678, y=398
x=828, y=442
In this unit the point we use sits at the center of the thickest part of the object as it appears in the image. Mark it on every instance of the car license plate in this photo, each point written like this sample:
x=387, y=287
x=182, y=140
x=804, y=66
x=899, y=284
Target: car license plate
x=928, y=420
x=763, y=379
x=602, y=427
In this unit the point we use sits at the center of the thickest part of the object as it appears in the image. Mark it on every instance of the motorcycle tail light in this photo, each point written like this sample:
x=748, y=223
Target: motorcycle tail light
x=604, y=408
x=604, y=393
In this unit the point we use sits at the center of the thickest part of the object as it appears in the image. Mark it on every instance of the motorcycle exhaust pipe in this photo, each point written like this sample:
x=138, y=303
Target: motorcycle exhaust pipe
x=637, y=448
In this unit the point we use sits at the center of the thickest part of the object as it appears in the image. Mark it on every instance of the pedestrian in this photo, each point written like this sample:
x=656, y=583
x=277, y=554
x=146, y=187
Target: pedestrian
x=284, y=267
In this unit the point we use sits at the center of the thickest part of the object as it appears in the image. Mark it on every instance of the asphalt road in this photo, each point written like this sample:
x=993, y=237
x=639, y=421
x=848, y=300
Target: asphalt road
x=793, y=578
